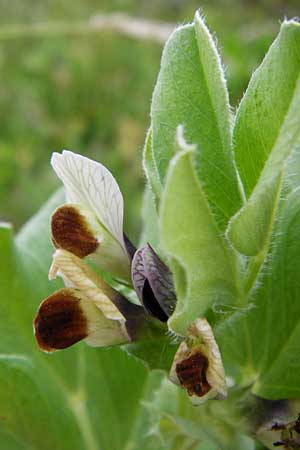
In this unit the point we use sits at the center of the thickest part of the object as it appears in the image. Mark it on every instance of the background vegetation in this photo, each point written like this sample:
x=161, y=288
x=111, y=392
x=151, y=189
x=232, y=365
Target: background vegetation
x=90, y=92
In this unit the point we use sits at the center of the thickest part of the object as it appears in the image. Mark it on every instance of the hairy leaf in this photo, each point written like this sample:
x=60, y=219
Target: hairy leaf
x=202, y=265
x=260, y=346
x=266, y=132
x=150, y=231
x=150, y=166
x=191, y=91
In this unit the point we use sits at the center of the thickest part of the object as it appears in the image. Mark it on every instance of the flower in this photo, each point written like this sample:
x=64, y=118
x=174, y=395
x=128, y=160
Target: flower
x=90, y=223
x=197, y=365
x=88, y=309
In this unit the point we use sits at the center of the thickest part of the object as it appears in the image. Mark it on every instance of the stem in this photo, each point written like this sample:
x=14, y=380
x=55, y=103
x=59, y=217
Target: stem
x=120, y=23
x=78, y=406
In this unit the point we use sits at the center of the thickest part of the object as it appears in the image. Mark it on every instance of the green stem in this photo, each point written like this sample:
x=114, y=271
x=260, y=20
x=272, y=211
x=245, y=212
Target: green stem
x=78, y=405
x=120, y=23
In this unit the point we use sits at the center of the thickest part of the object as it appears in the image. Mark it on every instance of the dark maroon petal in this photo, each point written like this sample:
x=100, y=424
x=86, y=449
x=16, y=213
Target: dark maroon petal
x=191, y=373
x=71, y=231
x=60, y=321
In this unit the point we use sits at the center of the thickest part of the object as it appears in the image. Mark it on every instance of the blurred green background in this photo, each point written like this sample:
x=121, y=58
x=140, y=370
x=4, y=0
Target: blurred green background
x=91, y=92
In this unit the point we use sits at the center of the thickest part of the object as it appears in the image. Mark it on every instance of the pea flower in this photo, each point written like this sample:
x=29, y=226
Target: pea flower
x=197, y=365
x=87, y=309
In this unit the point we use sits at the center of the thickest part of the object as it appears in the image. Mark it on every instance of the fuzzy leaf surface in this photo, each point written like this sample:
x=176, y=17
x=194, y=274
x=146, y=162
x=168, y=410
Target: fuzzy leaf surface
x=266, y=132
x=191, y=91
x=201, y=263
x=260, y=346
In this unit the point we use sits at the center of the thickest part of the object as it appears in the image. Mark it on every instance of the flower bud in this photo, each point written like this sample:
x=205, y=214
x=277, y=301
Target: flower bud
x=153, y=283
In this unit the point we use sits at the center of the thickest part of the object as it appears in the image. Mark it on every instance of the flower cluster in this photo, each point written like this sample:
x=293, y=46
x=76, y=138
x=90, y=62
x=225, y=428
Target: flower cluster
x=87, y=232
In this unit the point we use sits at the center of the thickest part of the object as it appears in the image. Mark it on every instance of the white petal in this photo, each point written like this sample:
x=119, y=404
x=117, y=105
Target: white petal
x=215, y=372
x=77, y=274
x=90, y=184
x=102, y=331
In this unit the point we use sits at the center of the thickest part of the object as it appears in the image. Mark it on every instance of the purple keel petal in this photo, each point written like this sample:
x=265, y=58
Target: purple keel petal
x=160, y=279
x=152, y=281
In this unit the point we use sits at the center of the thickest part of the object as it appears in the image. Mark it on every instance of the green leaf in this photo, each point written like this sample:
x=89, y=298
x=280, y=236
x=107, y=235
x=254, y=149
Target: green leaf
x=149, y=166
x=79, y=399
x=264, y=342
x=150, y=231
x=279, y=371
x=250, y=229
x=155, y=353
x=215, y=425
x=191, y=91
x=266, y=131
x=292, y=171
x=143, y=436
x=202, y=265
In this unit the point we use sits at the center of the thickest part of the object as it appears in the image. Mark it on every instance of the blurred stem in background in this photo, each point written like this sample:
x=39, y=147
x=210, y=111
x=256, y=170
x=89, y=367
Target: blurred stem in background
x=120, y=23
x=73, y=78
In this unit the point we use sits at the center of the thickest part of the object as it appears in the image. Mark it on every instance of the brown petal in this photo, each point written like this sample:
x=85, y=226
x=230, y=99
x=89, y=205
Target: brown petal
x=71, y=231
x=60, y=321
x=191, y=373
